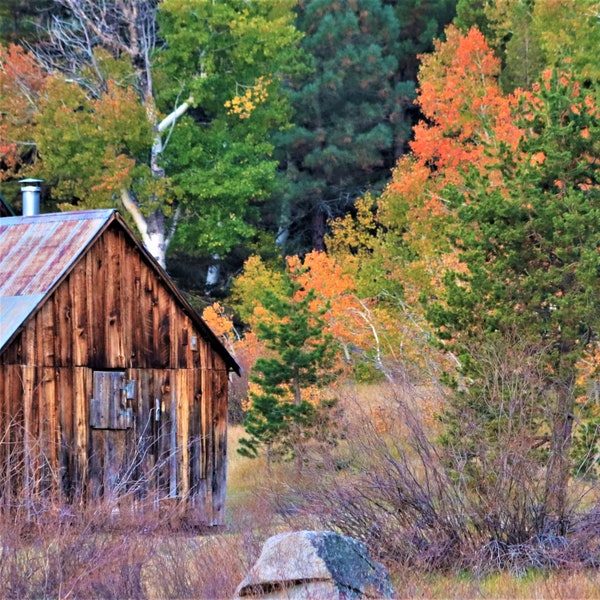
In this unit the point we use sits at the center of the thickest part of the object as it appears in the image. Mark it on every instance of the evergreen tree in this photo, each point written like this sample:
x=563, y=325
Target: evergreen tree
x=530, y=245
x=351, y=114
x=421, y=22
x=280, y=416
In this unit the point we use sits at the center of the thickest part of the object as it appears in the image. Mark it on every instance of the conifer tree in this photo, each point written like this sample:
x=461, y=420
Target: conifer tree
x=530, y=245
x=280, y=416
x=352, y=115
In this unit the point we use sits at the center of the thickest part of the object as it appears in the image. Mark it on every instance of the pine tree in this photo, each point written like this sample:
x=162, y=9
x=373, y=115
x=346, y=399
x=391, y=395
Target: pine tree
x=352, y=115
x=280, y=416
x=530, y=245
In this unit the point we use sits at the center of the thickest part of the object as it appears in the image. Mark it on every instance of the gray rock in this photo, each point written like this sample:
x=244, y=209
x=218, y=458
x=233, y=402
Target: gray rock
x=318, y=565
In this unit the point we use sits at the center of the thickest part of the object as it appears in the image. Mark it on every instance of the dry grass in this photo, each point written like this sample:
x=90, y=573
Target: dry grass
x=80, y=560
x=536, y=586
x=265, y=497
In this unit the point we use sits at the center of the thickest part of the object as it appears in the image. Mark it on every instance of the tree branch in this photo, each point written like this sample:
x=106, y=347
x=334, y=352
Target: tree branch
x=133, y=209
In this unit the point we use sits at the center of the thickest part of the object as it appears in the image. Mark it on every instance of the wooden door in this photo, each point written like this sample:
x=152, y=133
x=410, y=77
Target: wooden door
x=112, y=457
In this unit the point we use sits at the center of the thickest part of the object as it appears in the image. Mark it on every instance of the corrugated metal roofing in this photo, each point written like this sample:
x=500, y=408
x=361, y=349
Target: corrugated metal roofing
x=35, y=253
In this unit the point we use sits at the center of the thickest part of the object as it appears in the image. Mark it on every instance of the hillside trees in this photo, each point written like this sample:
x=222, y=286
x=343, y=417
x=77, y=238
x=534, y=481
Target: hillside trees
x=528, y=35
x=518, y=209
x=399, y=250
x=307, y=321
x=221, y=161
x=490, y=225
x=530, y=246
x=198, y=57
x=569, y=34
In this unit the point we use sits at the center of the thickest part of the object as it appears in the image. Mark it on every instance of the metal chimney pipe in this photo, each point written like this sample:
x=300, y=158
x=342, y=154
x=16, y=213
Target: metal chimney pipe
x=31, y=196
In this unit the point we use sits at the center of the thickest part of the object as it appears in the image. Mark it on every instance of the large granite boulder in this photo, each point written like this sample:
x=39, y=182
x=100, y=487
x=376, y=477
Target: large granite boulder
x=320, y=565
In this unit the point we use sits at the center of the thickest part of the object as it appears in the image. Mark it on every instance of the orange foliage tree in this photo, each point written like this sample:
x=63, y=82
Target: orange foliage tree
x=361, y=329
x=21, y=83
x=399, y=249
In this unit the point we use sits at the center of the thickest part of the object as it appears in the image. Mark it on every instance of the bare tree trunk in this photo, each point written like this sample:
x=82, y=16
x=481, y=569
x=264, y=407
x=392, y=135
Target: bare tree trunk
x=559, y=465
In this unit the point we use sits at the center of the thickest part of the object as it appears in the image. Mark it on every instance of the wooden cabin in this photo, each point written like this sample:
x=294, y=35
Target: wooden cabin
x=111, y=385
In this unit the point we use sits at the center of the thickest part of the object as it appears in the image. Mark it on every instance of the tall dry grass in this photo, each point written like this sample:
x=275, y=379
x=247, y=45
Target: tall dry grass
x=383, y=482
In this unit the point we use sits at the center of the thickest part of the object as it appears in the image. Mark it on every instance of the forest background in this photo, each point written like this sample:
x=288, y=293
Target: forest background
x=403, y=193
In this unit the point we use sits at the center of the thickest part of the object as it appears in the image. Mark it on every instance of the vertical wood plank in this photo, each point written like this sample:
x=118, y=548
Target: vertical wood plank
x=47, y=444
x=96, y=287
x=45, y=335
x=164, y=435
x=143, y=438
x=184, y=396
x=63, y=340
x=80, y=317
x=219, y=432
x=81, y=397
x=148, y=302
x=8, y=375
x=96, y=463
x=113, y=330
x=207, y=442
x=27, y=438
x=198, y=480
x=163, y=323
x=130, y=304
x=66, y=431
x=174, y=455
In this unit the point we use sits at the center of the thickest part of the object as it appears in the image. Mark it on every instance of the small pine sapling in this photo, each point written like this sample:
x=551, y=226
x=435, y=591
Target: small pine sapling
x=280, y=417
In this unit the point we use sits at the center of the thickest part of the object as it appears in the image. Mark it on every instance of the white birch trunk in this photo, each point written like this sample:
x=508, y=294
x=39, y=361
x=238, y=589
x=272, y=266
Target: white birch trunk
x=213, y=272
x=155, y=230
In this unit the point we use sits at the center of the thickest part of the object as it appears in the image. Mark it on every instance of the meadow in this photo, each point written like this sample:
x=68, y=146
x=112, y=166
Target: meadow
x=352, y=484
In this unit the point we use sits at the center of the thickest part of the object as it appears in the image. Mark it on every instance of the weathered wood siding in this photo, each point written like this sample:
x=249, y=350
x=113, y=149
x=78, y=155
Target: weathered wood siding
x=114, y=313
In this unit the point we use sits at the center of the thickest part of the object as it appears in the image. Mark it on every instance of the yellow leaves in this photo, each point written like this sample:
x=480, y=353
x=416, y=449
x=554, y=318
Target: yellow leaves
x=220, y=323
x=588, y=366
x=351, y=235
x=251, y=284
x=243, y=104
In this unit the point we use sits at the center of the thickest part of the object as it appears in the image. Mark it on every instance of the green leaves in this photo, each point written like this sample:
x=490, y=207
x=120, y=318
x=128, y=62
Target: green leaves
x=91, y=148
x=231, y=57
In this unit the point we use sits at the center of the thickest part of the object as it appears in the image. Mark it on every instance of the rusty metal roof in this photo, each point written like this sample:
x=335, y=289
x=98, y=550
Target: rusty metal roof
x=35, y=254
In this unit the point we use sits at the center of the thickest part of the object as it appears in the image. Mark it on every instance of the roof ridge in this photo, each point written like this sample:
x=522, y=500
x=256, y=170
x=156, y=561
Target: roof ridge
x=76, y=215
